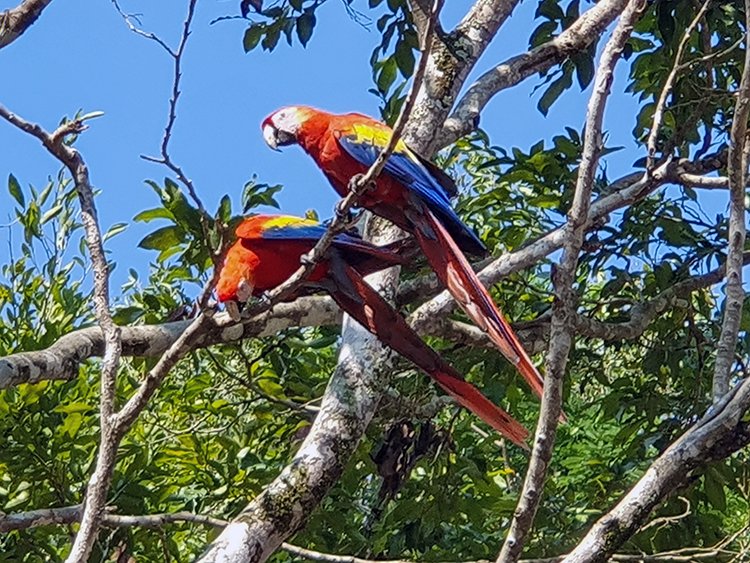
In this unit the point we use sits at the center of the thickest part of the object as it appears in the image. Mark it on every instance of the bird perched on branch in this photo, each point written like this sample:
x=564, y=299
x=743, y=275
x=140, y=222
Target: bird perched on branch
x=268, y=251
x=413, y=193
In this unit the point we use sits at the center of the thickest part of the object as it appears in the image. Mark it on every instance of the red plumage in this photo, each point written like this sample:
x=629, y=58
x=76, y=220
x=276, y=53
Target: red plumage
x=438, y=230
x=257, y=263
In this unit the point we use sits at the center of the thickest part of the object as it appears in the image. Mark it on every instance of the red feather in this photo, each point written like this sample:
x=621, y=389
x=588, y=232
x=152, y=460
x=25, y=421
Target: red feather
x=263, y=264
x=318, y=136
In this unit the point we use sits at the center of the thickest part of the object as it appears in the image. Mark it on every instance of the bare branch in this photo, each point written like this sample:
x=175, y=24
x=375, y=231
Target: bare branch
x=96, y=491
x=661, y=104
x=566, y=300
x=576, y=38
x=737, y=173
x=15, y=21
x=642, y=314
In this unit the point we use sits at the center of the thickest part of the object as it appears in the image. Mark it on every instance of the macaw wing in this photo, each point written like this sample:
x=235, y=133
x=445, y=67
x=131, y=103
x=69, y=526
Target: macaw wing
x=364, y=144
x=351, y=244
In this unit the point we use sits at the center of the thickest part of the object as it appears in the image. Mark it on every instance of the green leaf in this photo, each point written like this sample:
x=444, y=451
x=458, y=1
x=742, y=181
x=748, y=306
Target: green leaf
x=387, y=74
x=162, y=239
x=554, y=90
x=271, y=39
x=305, y=26
x=252, y=36
x=254, y=195
x=15, y=190
x=114, y=230
x=51, y=213
x=152, y=214
x=224, y=213
x=584, y=64
x=714, y=489
x=404, y=58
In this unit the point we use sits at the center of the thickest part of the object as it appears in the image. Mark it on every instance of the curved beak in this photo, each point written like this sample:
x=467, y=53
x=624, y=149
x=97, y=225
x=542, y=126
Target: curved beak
x=270, y=136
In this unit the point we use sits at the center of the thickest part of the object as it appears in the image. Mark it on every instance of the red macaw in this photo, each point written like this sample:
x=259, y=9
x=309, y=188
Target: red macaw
x=268, y=252
x=414, y=194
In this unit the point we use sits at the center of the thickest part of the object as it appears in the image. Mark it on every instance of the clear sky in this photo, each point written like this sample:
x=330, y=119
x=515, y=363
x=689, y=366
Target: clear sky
x=81, y=55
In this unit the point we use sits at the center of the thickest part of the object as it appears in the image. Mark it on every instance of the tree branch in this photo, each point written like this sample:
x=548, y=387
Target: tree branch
x=719, y=434
x=566, y=299
x=585, y=31
x=661, y=104
x=98, y=486
x=643, y=313
x=348, y=404
x=448, y=66
x=15, y=21
x=737, y=174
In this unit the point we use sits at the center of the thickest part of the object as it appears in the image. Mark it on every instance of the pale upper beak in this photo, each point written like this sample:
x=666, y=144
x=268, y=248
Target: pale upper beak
x=270, y=136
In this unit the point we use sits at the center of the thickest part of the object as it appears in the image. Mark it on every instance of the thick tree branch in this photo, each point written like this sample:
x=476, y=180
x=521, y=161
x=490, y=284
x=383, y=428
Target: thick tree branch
x=719, y=434
x=448, y=66
x=737, y=173
x=566, y=299
x=348, y=404
x=62, y=360
x=15, y=21
x=576, y=38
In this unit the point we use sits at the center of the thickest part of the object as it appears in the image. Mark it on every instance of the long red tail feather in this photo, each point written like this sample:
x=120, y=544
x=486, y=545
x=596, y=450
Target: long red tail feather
x=454, y=270
x=365, y=305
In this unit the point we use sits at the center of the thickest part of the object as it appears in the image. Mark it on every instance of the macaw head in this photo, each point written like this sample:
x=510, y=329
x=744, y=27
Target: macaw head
x=282, y=126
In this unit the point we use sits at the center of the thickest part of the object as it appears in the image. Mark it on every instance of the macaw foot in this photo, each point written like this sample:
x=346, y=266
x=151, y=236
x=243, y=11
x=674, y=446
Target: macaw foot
x=233, y=309
x=359, y=186
x=354, y=219
x=341, y=212
x=306, y=259
x=244, y=291
x=264, y=299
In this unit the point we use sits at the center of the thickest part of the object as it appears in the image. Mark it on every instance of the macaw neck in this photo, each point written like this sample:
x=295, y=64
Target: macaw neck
x=312, y=133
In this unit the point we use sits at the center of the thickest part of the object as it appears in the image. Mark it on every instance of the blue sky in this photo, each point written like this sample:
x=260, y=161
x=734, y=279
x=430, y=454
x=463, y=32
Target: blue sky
x=80, y=54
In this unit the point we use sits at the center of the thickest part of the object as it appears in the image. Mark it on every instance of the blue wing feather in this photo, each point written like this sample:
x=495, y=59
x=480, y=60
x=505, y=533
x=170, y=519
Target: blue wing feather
x=415, y=177
x=313, y=233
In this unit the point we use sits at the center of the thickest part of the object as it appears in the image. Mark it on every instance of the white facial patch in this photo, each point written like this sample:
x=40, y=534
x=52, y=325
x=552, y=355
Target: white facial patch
x=269, y=136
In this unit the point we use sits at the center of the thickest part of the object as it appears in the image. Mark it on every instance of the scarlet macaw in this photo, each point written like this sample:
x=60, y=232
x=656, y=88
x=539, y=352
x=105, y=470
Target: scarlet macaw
x=414, y=194
x=268, y=252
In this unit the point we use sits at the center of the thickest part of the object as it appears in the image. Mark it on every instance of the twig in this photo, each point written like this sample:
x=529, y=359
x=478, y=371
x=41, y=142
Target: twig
x=737, y=174
x=663, y=521
x=165, y=158
x=138, y=31
x=176, y=55
x=566, y=300
x=661, y=104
